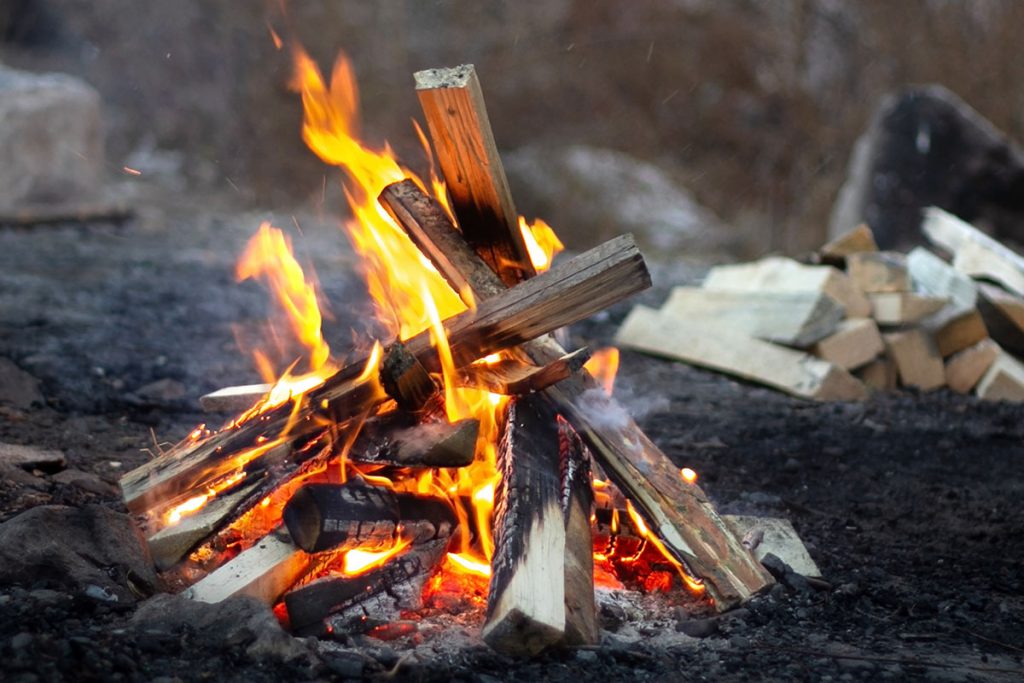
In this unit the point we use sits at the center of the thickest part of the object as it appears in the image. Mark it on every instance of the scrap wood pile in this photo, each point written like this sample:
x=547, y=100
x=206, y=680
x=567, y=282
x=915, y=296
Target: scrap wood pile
x=857, y=320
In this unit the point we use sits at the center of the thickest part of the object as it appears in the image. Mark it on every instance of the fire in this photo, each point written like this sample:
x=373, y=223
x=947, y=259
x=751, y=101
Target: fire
x=688, y=475
x=604, y=365
x=358, y=561
x=541, y=243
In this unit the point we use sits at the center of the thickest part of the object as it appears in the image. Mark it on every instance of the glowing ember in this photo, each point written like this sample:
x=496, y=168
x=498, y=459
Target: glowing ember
x=689, y=476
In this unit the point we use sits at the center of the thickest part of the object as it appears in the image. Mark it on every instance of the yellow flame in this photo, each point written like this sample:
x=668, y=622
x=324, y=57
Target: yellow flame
x=541, y=243
x=358, y=561
x=688, y=475
x=604, y=365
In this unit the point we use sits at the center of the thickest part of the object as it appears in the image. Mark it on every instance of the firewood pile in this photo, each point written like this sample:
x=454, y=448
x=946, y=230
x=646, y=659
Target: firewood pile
x=855, y=319
x=324, y=502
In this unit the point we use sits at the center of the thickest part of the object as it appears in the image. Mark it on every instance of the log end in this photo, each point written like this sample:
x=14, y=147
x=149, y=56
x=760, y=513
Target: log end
x=448, y=77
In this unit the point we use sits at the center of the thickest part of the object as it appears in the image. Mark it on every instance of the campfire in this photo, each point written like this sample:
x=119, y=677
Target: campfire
x=464, y=450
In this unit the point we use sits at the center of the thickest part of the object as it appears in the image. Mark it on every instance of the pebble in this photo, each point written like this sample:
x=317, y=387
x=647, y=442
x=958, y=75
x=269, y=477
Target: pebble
x=587, y=656
x=21, y=641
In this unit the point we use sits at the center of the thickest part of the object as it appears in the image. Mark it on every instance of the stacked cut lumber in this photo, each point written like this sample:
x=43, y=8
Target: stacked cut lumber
x=856, y=319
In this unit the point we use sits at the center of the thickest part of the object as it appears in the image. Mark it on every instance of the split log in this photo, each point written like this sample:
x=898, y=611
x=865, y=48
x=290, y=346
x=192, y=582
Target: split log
x=526, y=601
x=778, y=274
x=679, y=514
x=264, y=571
x=917, y=359
x=512, y=377
x=398, y=584
x=965, y=369
x=955, y=329
x=974, y=253
x=860, y=239
x=342, y=516
x=881, y=271
x=1003, y=314
x=403, y=440
x=453, y=104
x=1003, y=381
x=903, y=308
x=577, y=500
x=565, y=294
x=721, y=349
x=929, y=274
x=790, y=318
x=405, y=379
x=879, y=375
x=855, y=342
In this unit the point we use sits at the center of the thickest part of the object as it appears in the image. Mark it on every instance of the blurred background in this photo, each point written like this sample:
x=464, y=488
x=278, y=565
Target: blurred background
x=746, y=112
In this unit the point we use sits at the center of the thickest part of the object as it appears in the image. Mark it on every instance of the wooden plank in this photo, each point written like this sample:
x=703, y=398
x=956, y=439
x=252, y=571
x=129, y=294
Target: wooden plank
x=570, y=291
x=856, y=342
x=966, y=368
x=903, y=308
x=1003, y=381
x=775, y=273
x=917, y=359
x=777, y=536
x=881, y=271
x=790, y=318
x=859, y=239
x=678, y=513
x=974, y=252
x=526, y=600
x=794, y=372
x=453, y=104
x=264, y=571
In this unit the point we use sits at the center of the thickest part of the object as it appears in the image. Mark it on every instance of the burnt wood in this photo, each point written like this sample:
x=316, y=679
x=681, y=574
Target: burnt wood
x=577, y=499
x=510, y=376
x=342, y=516
x=405, y=379
x=678, y=513
x=563, y=295
x=453, y=105
x=401, y=439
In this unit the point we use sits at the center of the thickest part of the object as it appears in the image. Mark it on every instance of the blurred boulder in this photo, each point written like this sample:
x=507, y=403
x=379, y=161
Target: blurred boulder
x=590, y=195
x=925, y=146
x=51, y=144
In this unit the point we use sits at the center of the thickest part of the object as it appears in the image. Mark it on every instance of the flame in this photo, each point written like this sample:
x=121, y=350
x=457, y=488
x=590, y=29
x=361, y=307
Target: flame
x=197, y=502
x=693, y=583
x=541, y=243
x=470, y=565
x=604, y=365
x=688, y=475
x=358, y=561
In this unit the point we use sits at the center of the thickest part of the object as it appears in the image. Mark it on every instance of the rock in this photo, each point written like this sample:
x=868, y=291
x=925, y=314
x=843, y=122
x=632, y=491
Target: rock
x=51, y=145
x=233, y=623
x=17, y=387
x=74, y=547
x=87, y=481
x=29, y=457
x=612, y=193
x=925, y=146
x=698, y=628
x=162, y=391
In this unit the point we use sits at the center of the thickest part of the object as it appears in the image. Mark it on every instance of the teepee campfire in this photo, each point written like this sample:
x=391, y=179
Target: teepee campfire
x=465, y=451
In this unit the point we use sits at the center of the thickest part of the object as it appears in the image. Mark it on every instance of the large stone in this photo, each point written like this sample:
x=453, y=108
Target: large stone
x=17, y=387
x=925, y=146
x=74, y=548
x=591, y=194
x=51, y=139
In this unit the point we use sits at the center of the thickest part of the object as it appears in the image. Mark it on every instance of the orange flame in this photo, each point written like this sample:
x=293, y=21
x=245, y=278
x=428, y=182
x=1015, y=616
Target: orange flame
x=688, y=475
x=358, y=561
x=604, y=365
x=542, y=244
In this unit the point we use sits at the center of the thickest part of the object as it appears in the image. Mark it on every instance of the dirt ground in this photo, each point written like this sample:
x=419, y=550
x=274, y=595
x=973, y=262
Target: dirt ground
x=910, y=504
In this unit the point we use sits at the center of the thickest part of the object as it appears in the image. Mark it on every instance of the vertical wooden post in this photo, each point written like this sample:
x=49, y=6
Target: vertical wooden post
x=453, y=104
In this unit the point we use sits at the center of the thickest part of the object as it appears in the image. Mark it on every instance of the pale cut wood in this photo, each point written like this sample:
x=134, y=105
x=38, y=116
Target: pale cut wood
x=903, y=308
x=1003, y=381
x=879, y=375
x=917, y=360
x=570, y=291
x=777, y=536
x=526, y=602
x=790, y=318
x=678, y=513
x=1003, y=314
x=234, y=399
x=453, y=104
x=720, y=349
x=264, y=571
x=577, y=501
x=974, y=252
x=859, y=239
x=856, y=342
x=955, y=329
x=882, y=271
x=931, y=275
x=775, y=273
x=966, y=368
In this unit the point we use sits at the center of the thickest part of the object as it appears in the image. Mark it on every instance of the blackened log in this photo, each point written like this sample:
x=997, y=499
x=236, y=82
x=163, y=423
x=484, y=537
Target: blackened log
x=565, y=294
x=399, y=581
x=526, y=601
x=678, y=513
x=453, y=105
x=342, y=516
x=402, y=440
x=405, y=379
